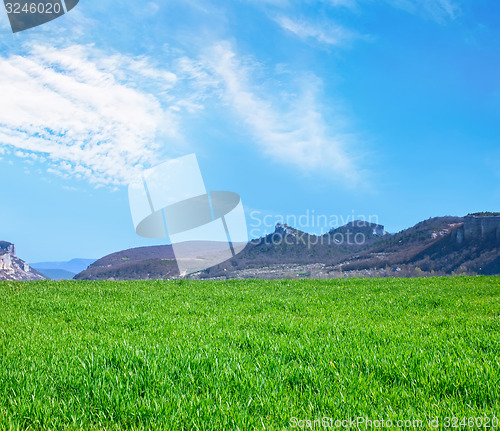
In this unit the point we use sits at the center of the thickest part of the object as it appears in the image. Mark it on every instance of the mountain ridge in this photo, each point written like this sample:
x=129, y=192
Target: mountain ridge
x=437, y=246
x=62, y=270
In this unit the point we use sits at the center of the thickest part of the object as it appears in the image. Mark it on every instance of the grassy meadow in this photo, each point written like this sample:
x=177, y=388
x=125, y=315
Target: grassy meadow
x=249, y=354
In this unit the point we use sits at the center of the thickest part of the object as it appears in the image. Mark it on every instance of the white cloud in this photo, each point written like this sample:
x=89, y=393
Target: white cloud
x=293, y=132
x=102, y=118
x=329, y=33
x=87, y=113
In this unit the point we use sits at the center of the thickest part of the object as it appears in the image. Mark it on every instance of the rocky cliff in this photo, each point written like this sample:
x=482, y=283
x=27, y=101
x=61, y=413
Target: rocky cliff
x=7, y=247
x=480, y=228
x=15, y=269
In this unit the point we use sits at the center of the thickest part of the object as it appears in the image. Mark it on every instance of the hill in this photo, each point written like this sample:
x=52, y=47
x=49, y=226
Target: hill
x=57, y=274
x=62, y=270
x=442, y=245
x=286, y=245
x=134, y=263
x=437, y=246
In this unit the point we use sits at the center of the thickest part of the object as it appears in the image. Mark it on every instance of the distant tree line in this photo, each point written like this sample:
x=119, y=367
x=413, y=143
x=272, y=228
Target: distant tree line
x=484, y=214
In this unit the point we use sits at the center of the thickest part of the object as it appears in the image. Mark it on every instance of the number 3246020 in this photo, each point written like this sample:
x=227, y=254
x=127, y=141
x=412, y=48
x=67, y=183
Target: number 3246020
x=34, y=8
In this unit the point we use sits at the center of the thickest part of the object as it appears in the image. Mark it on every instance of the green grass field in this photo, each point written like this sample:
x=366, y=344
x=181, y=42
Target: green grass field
x=247, y=354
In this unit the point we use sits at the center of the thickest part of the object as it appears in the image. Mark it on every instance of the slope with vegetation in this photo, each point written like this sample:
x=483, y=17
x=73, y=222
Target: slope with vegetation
x=437, y=246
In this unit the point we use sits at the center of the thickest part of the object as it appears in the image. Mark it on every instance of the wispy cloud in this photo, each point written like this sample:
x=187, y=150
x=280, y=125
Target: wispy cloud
x=293, y=133
x=438, y=10
x=101, y=118
x=283, y=3
x=342, y=3
x=327, y=33
x=86, y=113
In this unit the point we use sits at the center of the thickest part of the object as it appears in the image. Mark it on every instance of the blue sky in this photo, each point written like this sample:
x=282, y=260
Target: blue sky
x=386, y=109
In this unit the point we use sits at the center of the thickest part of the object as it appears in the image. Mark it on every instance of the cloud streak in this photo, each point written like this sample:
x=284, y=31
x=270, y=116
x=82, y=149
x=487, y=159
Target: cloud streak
x=438, y=10
x=292, y=133
x=330, y=34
